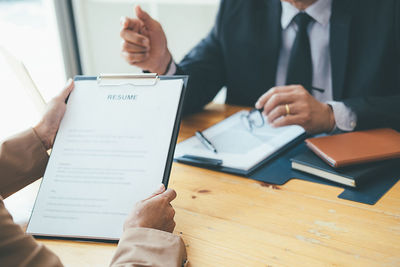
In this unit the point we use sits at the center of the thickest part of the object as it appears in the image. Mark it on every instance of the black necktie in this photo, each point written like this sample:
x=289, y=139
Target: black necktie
x=300, y=63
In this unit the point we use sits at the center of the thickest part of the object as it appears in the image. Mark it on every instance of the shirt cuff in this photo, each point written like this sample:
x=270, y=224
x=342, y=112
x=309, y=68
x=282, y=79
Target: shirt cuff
x=345, y=118
x=172, y=68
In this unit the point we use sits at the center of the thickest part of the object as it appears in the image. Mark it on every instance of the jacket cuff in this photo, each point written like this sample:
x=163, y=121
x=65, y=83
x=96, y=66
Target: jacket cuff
x=149, y=247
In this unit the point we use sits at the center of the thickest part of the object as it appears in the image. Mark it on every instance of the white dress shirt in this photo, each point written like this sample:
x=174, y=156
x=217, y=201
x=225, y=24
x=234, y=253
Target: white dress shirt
x=318, y=32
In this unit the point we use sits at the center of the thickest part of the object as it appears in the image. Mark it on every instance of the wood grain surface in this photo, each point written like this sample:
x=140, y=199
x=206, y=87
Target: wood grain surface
x=227, y=220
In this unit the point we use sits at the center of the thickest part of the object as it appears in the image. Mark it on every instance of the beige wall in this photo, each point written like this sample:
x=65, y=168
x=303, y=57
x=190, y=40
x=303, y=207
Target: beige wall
x=185, y=22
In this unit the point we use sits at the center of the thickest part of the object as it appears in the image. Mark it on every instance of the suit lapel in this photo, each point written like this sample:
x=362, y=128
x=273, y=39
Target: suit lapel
x=269, y=21
x=339, y=43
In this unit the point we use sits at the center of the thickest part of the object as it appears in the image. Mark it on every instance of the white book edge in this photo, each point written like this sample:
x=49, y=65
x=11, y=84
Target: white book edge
x=323, y=174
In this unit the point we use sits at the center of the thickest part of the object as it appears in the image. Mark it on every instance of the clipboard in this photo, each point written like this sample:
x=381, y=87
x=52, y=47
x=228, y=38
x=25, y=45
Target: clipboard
x=151, y=80
x=66, y=212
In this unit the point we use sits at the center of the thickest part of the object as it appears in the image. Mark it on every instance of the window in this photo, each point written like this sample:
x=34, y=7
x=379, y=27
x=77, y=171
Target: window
x=28, y=31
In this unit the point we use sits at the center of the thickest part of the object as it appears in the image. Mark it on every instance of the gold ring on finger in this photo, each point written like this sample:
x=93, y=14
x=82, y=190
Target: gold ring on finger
x=287, y=109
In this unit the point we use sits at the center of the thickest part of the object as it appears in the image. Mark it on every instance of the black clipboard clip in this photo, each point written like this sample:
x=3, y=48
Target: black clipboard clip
x=140, y=79
x=200, y=161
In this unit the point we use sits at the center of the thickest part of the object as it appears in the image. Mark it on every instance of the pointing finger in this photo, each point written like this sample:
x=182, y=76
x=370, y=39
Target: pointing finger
x=145, y=17
x=131, y=24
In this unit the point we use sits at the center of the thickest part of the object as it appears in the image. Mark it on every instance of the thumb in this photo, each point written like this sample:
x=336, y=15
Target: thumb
x=67, y=89
x=145, y=17
x=160, y=190
x=169, y=194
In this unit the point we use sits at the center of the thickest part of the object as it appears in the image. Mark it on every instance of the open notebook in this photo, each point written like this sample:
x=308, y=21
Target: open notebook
x=240, y=149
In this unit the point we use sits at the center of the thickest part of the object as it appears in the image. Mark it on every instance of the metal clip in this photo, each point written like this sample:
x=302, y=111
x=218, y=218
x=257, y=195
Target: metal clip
x=142, y=79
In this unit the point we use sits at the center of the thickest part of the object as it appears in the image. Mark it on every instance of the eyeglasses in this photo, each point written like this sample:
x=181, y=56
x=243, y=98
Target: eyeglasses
x=253, y=119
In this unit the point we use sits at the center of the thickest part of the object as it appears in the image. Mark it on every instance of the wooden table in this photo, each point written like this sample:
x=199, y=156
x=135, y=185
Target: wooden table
x=226, y=220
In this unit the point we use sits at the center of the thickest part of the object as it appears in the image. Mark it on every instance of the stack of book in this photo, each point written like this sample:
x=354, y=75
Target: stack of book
x=351, y=158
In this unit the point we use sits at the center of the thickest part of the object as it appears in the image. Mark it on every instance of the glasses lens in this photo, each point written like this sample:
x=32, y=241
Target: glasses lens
x=256, y=118
x=246, y=122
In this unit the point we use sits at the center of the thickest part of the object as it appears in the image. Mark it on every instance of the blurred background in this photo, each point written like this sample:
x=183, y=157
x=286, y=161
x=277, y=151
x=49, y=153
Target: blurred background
x=57, y=39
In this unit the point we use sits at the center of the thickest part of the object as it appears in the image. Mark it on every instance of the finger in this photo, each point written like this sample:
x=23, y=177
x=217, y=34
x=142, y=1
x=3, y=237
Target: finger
x=134, y=58
x=67, y=89
x=133, y=48
x=277, y=100
x=124, y=22
x=287, y=120
x=171, y=213
x=280, y=111
x=144, y=16
x=171, y=226
x=135, y=38
x=144, y=31
x=131, y=24
x=160, y=190
x=277, y=89
x=169, y=194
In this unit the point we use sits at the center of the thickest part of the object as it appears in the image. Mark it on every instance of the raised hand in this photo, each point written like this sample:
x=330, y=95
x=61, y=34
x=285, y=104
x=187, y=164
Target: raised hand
x=144, y=43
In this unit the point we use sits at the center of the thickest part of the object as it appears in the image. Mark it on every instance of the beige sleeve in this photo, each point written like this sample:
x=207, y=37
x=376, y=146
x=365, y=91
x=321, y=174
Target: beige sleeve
x=23, y=160
x=149, y=247
x=19, y=249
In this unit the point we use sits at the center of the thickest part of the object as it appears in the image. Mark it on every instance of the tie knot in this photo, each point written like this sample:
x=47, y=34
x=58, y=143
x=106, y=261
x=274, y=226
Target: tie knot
x=302, y=20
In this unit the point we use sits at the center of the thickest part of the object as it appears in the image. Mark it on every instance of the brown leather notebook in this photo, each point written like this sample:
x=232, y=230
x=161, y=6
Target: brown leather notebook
x=356, y=147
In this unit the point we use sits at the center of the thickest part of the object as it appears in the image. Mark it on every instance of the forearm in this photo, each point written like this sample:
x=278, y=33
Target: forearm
x=23, y=160
x=149, y=247
x=19, y=249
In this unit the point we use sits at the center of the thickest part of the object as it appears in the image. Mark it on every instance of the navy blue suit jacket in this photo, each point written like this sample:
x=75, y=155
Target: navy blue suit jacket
x=241, y=52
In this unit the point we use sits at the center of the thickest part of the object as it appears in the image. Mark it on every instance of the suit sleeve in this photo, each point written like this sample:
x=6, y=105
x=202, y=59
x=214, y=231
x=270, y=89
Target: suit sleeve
x=23, y=160
x=380, y=112
x=205, y=66
x=376, y=112
x=149, y=247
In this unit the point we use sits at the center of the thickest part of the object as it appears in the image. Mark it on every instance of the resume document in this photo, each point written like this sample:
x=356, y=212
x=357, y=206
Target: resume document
x=111, y=151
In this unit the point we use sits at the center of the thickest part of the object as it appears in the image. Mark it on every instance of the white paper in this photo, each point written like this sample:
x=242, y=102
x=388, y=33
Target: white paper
x=238, y=147
x=110, y=152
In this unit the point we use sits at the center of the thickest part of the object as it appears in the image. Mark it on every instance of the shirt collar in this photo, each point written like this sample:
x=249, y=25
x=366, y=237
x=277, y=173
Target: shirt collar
x=320, y=11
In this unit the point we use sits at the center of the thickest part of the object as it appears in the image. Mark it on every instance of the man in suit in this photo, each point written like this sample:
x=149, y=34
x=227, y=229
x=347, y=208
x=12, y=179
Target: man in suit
x=321, y=64
x=147, y=239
